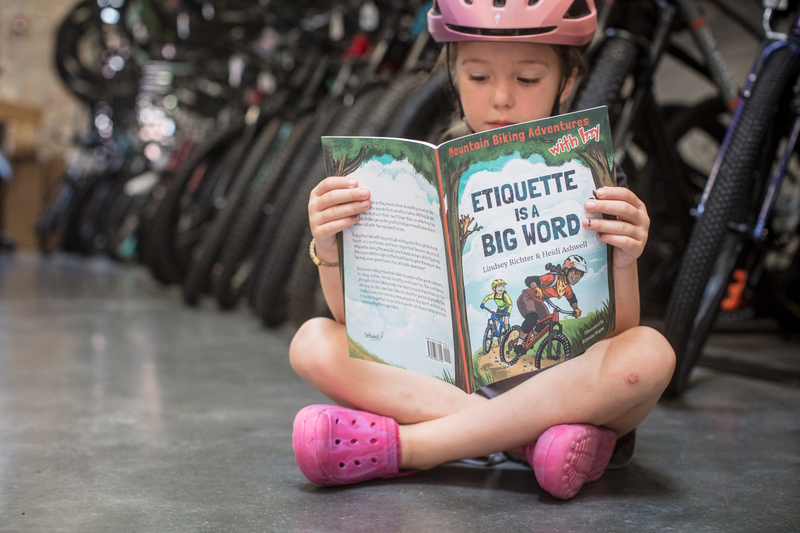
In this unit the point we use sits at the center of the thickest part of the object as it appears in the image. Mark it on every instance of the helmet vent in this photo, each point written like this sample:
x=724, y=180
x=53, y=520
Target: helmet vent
x=468, y=2
x=578, y=9
x=436, y=11
x=533, y=2
x=520, y=32
x=499, y=3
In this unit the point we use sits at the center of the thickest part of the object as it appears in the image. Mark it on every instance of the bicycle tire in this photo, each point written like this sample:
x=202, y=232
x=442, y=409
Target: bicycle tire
x=304, y=286
x=702, y=279
x=279, y=260
x=245, y=228
x=205, y=252
x=121, y=217
x=488, y=337
x=554, y=338
x=425, y=114
x=305, y=276
x=671, y=190
x=282, y=201
x=615, y=60
x=161, y=260
x=504, y=340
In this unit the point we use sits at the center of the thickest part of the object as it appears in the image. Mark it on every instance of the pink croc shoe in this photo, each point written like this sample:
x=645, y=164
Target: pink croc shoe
x=566, y=457
x=336, y=445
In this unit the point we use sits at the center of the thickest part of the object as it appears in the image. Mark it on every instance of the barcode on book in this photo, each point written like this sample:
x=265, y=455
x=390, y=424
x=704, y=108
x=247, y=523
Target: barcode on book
x=438, y=351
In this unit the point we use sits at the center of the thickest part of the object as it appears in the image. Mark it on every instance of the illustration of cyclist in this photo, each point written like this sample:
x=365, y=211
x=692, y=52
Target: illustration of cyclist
x=555, y=284
x=501, y=300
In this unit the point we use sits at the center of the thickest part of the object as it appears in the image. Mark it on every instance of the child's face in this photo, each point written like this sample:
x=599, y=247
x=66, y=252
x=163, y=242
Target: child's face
x=507, y=83
x=499, y=290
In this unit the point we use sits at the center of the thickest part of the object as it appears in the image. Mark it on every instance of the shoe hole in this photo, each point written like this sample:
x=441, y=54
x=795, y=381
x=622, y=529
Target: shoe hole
x=341, y=465
x=372, y=425
x=353, y=441
x=358, y=463
x=336, y=421
x=373, y=441
x=353, y=423
x=374, y=460
x=338, y=441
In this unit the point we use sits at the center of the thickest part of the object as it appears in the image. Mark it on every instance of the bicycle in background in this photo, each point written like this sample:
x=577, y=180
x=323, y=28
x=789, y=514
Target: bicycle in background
x=747, y=229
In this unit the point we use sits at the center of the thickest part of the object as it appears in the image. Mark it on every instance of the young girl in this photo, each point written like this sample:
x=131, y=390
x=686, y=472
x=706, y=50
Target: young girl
x=513, y=62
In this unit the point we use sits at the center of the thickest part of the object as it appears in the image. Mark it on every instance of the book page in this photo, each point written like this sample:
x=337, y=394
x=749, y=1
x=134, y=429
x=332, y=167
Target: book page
x=521, y=194
x=397, y=301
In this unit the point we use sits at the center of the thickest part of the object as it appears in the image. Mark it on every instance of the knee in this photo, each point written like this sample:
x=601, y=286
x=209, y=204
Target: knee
x=306, y=351
x=658, y=362
x=660, y=355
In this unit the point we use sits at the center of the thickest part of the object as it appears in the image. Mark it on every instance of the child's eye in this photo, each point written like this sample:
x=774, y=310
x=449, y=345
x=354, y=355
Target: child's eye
x=477, y=77
x=528, y=81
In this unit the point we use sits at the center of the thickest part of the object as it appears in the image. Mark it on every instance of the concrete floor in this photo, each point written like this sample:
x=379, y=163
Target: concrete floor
x=122, y=410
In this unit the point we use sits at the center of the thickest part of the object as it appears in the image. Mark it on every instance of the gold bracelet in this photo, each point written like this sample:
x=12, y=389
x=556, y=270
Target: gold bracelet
x=312, y=251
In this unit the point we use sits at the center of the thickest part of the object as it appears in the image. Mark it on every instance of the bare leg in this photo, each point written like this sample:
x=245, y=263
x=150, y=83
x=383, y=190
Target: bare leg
x=616, y=383
x=319, y=354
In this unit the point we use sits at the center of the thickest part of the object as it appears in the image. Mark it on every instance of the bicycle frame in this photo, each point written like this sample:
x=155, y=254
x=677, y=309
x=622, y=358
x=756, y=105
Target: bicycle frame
x=497, y=322
x=553, y=324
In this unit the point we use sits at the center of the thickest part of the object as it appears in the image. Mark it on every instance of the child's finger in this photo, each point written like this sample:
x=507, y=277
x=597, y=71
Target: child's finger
x=334, y=182
x=619, y=193
x=615, y=227
x=336, y=212
x=337, y=197
x=329, y=230
x=621, y=209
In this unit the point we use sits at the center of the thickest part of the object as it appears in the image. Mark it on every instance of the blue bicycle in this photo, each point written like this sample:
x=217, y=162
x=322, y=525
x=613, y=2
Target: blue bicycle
x=495, y=328
x=744, y=230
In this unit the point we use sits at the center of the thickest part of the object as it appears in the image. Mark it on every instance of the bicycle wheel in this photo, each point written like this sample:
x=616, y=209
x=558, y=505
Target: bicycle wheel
x=278, y=264
x=557, y=349
x=425, y=113
x=720, y=233
x=253, y=213
x=508, y=342
x=671, y=193
x=121, y=218
x=488, y=337
x=161, y=257
x=613, y=63
x=205, y=253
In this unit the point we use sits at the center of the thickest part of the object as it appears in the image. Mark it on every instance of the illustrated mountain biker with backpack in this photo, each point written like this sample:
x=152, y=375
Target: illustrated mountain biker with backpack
x=557, y=283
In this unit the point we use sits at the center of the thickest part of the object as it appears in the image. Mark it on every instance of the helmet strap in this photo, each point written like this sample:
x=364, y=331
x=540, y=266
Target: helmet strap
x=453, y=85
x=557, y=104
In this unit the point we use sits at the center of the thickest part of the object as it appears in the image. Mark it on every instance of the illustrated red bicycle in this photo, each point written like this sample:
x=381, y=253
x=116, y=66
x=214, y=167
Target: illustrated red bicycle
x=554, y=345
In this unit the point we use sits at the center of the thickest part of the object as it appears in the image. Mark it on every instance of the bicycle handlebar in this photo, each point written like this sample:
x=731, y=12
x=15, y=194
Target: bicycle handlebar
x=546, y=300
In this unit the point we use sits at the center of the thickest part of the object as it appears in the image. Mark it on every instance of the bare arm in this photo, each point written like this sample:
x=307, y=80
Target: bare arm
x=628, y=235
x=334, y=205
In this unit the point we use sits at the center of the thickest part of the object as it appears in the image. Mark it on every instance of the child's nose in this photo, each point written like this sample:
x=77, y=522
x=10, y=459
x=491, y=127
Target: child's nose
x=503, y=95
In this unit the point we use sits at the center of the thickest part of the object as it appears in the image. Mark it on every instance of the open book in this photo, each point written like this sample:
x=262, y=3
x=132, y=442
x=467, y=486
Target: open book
x=466, y=241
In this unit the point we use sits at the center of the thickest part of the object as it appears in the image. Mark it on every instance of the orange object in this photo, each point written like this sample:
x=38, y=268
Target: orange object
x=735, y=288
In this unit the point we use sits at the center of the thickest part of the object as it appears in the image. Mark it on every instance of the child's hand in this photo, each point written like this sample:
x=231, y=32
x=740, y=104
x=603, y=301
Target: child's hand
x=627, y=234
x=335, y=204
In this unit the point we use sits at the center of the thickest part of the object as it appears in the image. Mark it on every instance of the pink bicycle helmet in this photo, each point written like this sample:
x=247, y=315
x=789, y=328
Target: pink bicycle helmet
x=565, y=22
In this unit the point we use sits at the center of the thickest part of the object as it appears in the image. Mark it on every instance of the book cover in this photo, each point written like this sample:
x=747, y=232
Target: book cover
x=450, y=224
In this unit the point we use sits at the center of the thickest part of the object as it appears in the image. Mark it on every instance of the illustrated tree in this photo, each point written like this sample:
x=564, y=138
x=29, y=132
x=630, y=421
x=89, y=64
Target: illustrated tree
x=343, y=167
x=451, y=181
x=595, y=156
x=464, y=230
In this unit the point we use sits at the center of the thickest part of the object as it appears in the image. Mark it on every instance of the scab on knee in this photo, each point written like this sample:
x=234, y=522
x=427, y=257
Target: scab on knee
x=632, y=378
